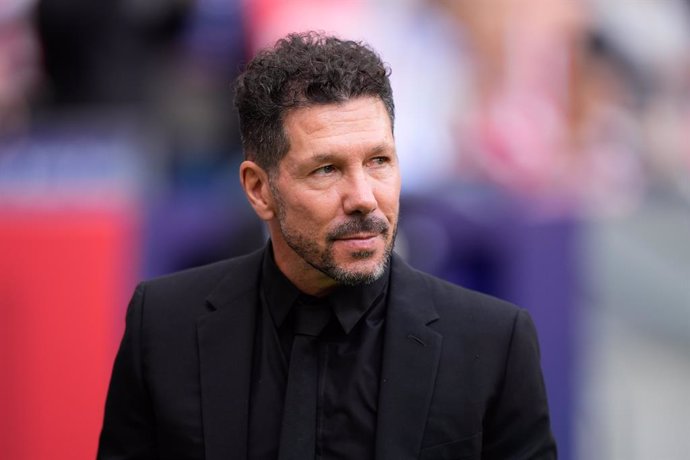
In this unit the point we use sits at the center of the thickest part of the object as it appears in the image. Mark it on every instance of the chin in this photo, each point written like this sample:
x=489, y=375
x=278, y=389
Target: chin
x=361, y=269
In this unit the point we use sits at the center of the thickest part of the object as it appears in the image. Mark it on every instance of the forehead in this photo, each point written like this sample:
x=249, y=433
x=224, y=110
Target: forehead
x=359, y=123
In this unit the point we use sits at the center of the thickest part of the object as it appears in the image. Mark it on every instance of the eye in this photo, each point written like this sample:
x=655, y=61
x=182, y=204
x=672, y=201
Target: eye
x=324, y=170
x=380, y=161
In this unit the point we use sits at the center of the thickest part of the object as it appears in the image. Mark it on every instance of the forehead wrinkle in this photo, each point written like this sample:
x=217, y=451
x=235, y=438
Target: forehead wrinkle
x=326, y=126
x=334, y=116
x=335, y=131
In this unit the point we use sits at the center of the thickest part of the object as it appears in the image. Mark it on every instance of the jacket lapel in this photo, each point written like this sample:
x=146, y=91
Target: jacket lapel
x=226, y=341
x=411, y=354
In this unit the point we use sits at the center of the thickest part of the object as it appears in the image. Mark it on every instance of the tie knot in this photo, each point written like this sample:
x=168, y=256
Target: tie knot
x=311, y=317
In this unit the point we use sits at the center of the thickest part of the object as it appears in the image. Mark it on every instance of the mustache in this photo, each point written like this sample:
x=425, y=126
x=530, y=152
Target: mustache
x=369, y=224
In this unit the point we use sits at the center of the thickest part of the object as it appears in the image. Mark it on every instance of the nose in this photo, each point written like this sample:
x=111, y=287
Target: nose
x=358, y=196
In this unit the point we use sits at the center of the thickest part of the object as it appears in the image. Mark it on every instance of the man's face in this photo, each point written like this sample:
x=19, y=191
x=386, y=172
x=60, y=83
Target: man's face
x=336, y=193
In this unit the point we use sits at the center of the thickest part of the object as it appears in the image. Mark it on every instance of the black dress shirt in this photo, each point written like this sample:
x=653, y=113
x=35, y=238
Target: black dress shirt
x=349, y=362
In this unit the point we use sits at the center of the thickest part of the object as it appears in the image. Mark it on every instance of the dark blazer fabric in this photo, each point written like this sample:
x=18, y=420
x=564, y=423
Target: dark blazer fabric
x=460, y=376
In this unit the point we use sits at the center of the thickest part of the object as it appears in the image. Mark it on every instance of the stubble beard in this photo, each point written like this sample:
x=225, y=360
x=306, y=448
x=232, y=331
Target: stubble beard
x=306, y=246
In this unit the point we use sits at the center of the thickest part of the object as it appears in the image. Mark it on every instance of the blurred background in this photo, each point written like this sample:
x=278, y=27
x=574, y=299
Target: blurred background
x=545, y=149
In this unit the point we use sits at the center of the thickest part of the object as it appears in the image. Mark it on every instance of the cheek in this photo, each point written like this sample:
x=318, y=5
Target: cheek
x=309, y=213
x=389, y=202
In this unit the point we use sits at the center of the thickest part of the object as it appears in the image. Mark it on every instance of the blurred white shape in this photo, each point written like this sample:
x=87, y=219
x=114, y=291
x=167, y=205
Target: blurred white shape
x=653, y=33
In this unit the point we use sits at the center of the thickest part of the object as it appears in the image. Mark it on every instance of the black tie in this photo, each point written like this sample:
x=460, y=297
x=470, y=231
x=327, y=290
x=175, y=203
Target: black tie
x=298, y=433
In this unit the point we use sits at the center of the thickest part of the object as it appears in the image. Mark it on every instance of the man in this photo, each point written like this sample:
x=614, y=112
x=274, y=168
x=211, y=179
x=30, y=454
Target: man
x=324, y=344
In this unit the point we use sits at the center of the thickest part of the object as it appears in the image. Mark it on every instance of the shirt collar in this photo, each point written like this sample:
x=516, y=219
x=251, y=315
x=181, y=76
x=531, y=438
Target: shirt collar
x=349, y=303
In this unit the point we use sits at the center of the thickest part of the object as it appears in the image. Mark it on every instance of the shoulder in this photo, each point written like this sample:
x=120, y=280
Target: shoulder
x=447, y=297
x=472, y=324
x=204, y=277
x=189, y=289
x=458, y=312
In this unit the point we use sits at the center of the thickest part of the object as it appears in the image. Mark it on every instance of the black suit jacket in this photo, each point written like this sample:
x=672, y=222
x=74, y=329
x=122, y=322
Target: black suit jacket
x=460, y=377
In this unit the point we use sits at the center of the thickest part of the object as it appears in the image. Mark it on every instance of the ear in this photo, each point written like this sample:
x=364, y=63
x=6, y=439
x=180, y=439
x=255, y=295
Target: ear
x=254, y=181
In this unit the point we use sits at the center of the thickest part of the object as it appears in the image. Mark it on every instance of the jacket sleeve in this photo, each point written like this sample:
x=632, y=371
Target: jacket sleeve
x=128, y=431
x=517, y=425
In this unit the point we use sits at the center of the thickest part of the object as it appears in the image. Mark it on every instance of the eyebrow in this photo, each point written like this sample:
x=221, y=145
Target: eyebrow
x=327, y=157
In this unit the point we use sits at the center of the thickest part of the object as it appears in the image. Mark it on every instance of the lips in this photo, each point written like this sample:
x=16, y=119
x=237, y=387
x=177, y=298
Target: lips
x=358, y=243
x=359, y=237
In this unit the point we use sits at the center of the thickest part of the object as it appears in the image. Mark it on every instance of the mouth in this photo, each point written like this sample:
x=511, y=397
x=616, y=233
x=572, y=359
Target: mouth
x=359, y=237
x=360, y=242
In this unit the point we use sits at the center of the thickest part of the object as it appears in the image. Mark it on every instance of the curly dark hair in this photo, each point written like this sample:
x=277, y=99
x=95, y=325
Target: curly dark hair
x=302, y=70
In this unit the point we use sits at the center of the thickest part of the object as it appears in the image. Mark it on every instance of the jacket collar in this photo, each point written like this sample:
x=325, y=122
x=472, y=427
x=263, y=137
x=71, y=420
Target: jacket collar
x=226, y=342
x=411, y=354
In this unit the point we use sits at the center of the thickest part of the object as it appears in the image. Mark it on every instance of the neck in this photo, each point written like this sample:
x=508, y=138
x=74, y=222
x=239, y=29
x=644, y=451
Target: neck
x=306, y=278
